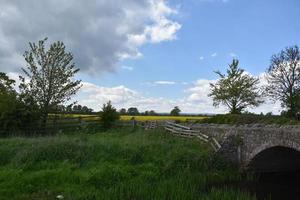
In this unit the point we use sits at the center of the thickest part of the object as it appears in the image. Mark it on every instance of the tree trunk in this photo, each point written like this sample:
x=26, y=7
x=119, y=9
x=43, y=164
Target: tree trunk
x=44, y=122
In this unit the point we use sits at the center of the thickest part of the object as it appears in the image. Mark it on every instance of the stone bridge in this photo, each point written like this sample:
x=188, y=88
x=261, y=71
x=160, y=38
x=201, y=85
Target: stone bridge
x=261, y=148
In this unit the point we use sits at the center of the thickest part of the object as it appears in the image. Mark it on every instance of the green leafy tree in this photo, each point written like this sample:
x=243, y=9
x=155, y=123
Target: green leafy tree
x=108, y=115
x=237, y=90
x=122, y=111
x=283, y=77
x=51, y=76
x=6, y=84
x=175, y=111
x=152, y=113
x=133, y=111
x=16, y=112
x=8, y=99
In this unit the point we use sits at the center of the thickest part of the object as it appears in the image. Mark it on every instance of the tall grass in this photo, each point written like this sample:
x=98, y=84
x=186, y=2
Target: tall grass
x=240, y=119
x=118, y=164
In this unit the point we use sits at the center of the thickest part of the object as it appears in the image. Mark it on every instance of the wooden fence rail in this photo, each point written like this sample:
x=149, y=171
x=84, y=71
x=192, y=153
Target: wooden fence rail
x=185, y=131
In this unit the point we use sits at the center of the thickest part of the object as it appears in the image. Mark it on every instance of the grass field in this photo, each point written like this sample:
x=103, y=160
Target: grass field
x=158, y=118
x=141, y=118
x=118, y=164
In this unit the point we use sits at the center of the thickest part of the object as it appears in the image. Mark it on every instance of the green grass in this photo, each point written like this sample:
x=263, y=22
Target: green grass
x=119, y=164
x=160, y=118
x=129, y=117
x=249, y=119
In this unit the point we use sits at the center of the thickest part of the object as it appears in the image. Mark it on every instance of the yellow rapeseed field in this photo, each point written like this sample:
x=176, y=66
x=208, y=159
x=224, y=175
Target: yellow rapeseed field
x=158, y=118
x=137, y=118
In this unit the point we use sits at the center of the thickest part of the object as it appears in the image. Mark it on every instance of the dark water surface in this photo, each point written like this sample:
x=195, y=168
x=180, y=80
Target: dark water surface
x=269, y=186
x=277, y=186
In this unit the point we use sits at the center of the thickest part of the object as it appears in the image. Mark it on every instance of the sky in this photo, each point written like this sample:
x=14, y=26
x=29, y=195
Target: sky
x=152, y=54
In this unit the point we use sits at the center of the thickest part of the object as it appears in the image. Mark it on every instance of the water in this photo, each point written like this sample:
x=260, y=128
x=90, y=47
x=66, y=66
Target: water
x=269, y=186
x=276, y=186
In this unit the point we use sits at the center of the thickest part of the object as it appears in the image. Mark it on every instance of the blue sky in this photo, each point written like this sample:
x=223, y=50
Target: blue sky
x=175, y=67
x=212, y=33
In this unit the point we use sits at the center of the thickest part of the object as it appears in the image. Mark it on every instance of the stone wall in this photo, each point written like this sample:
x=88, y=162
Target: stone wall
x=242, y=143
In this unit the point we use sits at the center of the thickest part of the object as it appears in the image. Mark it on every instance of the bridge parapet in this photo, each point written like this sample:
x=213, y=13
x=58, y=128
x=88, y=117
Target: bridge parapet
x=241, y=143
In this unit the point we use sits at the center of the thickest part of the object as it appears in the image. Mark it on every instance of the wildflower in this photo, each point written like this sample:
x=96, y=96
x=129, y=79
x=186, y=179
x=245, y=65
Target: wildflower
x=60, y=197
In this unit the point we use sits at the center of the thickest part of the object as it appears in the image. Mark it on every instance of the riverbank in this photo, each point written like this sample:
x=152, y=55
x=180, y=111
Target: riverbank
x=118, y=164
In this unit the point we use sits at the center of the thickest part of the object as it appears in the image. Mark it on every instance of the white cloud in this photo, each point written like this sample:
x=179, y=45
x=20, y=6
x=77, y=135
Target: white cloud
x=184, y=83
x=163, y=28
x=233, y=54
x=164, y=82
x=201, y=58
x=195, y=100
x=198, y=95
x=214, y=55
x=99, y=33
x=210, y=1
x=121, y=97
x=127, y=68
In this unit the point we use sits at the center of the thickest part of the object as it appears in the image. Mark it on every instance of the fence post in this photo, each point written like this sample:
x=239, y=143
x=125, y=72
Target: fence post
x=133, y=121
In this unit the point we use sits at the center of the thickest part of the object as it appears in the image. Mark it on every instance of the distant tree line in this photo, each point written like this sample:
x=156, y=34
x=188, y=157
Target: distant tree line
x=73, y=109
x=48, y=83
x=135, y=112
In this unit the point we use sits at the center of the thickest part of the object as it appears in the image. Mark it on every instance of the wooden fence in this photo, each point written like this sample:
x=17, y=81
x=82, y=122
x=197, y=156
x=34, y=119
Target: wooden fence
x=185, y=131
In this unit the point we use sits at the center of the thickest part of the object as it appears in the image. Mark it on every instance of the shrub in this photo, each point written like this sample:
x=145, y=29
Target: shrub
x=248, y=119
x=108, y=116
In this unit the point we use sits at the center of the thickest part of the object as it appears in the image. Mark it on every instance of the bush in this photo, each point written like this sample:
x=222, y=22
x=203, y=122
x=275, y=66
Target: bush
x=249, y=119
x=18, y=114
x=108, y=116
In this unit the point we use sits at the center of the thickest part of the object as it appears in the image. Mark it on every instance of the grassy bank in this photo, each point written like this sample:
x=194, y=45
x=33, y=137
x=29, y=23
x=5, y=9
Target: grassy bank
x=129, y=117
x=119, y=164
x=159, y=118
x=249, y=119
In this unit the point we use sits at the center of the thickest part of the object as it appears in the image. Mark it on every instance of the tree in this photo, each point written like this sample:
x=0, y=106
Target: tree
x=283, y=77
x=175, y=111
x=152, y=113
x=50, y=73
x=6, y=84
x=108, y=115
x=237, y=90
x=16, y=112
x=86, y=110
x=122, y=111
x=8, y=99
x=133, y=111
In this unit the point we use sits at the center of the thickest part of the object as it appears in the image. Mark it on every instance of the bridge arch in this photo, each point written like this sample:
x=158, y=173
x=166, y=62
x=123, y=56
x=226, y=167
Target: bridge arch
x=283, y=156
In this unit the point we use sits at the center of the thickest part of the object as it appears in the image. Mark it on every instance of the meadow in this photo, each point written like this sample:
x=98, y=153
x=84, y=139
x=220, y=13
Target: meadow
x=138, y=118
x=162, y=118
x=117, y=164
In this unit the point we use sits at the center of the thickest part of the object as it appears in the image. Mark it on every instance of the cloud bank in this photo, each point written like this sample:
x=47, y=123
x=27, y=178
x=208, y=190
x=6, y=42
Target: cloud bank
x=99, y=33
x=195, y=100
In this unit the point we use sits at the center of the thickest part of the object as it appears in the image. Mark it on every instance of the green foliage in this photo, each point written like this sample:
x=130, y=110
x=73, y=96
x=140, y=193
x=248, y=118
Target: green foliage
x=249, y=119
x=8, y=95
x=16, y=112
x=175, y=111
x=108, y=116
x=237, y=90
x=133, y=111
x=123, y=111
x=118, y=164
x=6, y=84
x=50, y=73
x=283, y=76
x=150, y=113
